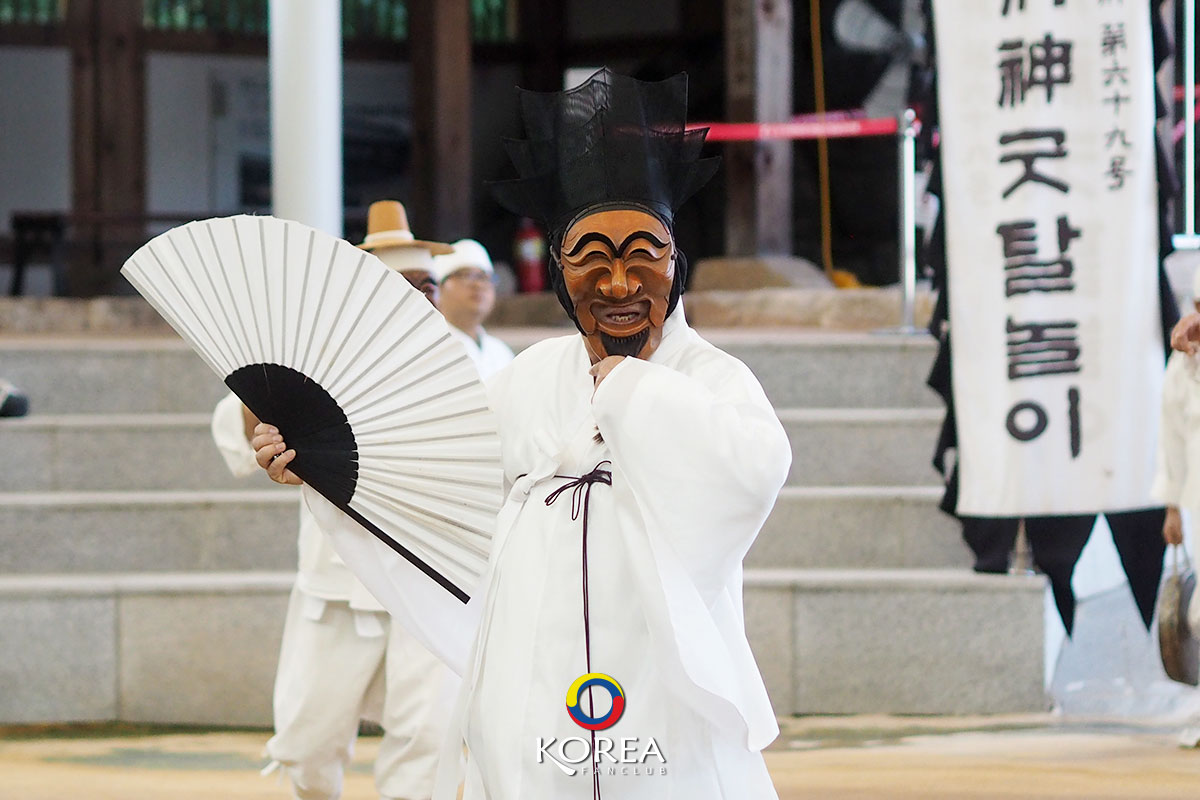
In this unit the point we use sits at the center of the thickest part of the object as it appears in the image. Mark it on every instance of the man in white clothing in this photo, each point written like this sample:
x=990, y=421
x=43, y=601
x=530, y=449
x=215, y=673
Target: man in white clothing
x=342, y=659
x=640, y=463
x=1177, y=479
x=466, y=295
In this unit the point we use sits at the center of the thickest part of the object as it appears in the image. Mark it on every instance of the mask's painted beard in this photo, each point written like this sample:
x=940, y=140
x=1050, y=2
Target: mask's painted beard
x=625, y=345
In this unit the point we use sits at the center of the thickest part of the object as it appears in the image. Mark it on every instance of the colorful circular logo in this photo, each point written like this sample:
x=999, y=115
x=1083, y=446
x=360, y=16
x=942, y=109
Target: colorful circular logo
x=575, y=696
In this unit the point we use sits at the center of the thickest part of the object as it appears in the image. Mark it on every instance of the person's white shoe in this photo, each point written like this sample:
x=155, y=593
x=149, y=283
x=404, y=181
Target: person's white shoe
x=1189, y=738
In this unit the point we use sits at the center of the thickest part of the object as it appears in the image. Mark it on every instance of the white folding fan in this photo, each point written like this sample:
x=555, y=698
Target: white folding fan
x=359, y=373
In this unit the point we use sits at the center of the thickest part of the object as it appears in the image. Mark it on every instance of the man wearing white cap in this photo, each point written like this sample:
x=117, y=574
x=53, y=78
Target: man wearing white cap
x=341, y=658
x=467, y=295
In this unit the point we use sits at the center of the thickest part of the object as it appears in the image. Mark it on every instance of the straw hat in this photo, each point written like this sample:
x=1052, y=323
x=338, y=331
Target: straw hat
x=468, y=253
x=387, y=226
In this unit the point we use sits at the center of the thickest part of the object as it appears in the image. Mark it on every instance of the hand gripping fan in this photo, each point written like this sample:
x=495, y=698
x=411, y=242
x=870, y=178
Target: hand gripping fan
x=359, y=373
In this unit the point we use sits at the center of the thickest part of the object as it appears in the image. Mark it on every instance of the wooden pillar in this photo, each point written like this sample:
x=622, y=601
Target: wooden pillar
x=85, y=161
x=108, y=85
x=758, y=175
x=440, y=44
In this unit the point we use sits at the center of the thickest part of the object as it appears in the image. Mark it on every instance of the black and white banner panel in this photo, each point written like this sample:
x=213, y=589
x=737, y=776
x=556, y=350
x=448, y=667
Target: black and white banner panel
x=1048, y=145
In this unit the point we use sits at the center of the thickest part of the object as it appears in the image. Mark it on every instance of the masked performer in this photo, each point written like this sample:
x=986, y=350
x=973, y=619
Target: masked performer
x=640, y=463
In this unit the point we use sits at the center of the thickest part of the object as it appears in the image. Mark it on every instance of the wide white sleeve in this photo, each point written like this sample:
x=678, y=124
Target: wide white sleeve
x=705, y=460
x=1171, y=463
x=229, y=434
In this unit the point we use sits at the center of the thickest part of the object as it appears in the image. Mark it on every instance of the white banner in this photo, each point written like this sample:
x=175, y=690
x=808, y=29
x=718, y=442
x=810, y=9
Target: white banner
x=1048, y=150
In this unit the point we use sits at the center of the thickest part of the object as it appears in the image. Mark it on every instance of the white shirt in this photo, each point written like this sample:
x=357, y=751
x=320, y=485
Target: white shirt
x=489, y=354
x=1177, y=479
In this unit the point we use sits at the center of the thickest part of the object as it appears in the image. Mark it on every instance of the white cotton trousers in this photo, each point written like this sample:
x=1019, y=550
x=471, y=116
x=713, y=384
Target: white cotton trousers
x=328, y=673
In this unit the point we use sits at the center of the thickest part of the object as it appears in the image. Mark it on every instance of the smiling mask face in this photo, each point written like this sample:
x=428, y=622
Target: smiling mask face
x=618, y=266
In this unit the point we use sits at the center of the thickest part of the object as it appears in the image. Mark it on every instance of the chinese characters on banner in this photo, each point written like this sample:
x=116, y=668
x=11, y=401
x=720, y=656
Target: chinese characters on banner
x=1048, y=154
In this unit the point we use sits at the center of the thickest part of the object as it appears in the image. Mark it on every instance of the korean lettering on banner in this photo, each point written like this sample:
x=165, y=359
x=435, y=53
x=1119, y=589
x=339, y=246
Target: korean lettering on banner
x=1040, y=347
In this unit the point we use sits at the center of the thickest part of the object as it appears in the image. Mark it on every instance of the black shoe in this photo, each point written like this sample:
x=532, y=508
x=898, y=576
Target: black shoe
x=12, y=402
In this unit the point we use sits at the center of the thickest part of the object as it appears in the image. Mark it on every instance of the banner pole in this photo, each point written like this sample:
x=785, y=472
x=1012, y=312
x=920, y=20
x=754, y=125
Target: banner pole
x=908, y=218
x=906, y=139
x=1188, y=239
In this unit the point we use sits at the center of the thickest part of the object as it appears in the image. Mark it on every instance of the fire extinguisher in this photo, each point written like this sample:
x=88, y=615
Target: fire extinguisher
x=529, y=253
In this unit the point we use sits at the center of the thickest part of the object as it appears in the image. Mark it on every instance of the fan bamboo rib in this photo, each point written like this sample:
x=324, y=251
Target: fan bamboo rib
x=425, y=471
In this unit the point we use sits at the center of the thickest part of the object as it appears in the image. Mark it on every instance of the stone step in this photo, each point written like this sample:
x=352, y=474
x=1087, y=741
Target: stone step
x=178, y=531
x=88, y=452
x=859, y=527
x=862, y=446
x=906, y=641
x=196, y=648
x=158, y=374
x=111, y=532
x=201, y=648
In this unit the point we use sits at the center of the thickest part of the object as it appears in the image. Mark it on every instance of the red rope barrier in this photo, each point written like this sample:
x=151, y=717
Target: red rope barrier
x=835, y=128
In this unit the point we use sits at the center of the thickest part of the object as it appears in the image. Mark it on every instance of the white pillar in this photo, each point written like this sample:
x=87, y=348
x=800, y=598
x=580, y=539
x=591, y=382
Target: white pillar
x=306, y=112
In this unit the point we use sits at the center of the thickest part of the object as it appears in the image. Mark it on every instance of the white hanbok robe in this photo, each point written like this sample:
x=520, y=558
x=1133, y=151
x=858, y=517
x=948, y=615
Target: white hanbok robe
x=697, y=457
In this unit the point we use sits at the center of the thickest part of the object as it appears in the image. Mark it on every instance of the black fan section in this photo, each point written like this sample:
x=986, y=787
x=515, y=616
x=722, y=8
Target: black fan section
x=310, y=421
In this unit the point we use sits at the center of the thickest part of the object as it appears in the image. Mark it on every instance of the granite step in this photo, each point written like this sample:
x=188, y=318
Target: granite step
x=172, y=648
x=859, y=527
x=160, y=374
x=255, y=529
x=862, y=446
x=88, y=452
x=118, y=532
x=121, y=452
x=905, y=641
x=201, y=648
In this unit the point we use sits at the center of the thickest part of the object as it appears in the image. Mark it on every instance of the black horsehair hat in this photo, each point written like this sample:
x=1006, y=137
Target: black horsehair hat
x=612, y=140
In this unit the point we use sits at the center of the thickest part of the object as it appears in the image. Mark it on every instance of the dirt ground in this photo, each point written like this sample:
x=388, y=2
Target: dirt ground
x=815, y=758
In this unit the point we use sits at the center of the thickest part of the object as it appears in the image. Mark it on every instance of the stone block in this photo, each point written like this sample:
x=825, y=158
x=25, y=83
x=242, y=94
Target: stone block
x=918, y=642
x=154, y=532
x=740, y=273
x=90, y=452
x=859, y=527
x=811, y=370
x=769, y=629
x=200, y=657
x=58, y=659
x=865, y=309
x=796, y=368
x=862, y=447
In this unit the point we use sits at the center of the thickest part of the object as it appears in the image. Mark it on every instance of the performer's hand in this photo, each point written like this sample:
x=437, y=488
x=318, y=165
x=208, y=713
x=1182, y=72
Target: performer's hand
x=1173, y=526
x=601, y=368
x=272, y=454
x=1185, y=336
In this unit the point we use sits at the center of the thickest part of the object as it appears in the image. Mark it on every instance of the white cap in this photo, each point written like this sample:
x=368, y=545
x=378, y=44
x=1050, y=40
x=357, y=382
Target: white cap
x=467, y=253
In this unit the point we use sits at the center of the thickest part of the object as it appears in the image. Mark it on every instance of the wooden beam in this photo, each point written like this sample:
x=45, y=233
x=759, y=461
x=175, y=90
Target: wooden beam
x=758, y=175
x=27, y=35
x=440, y=44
